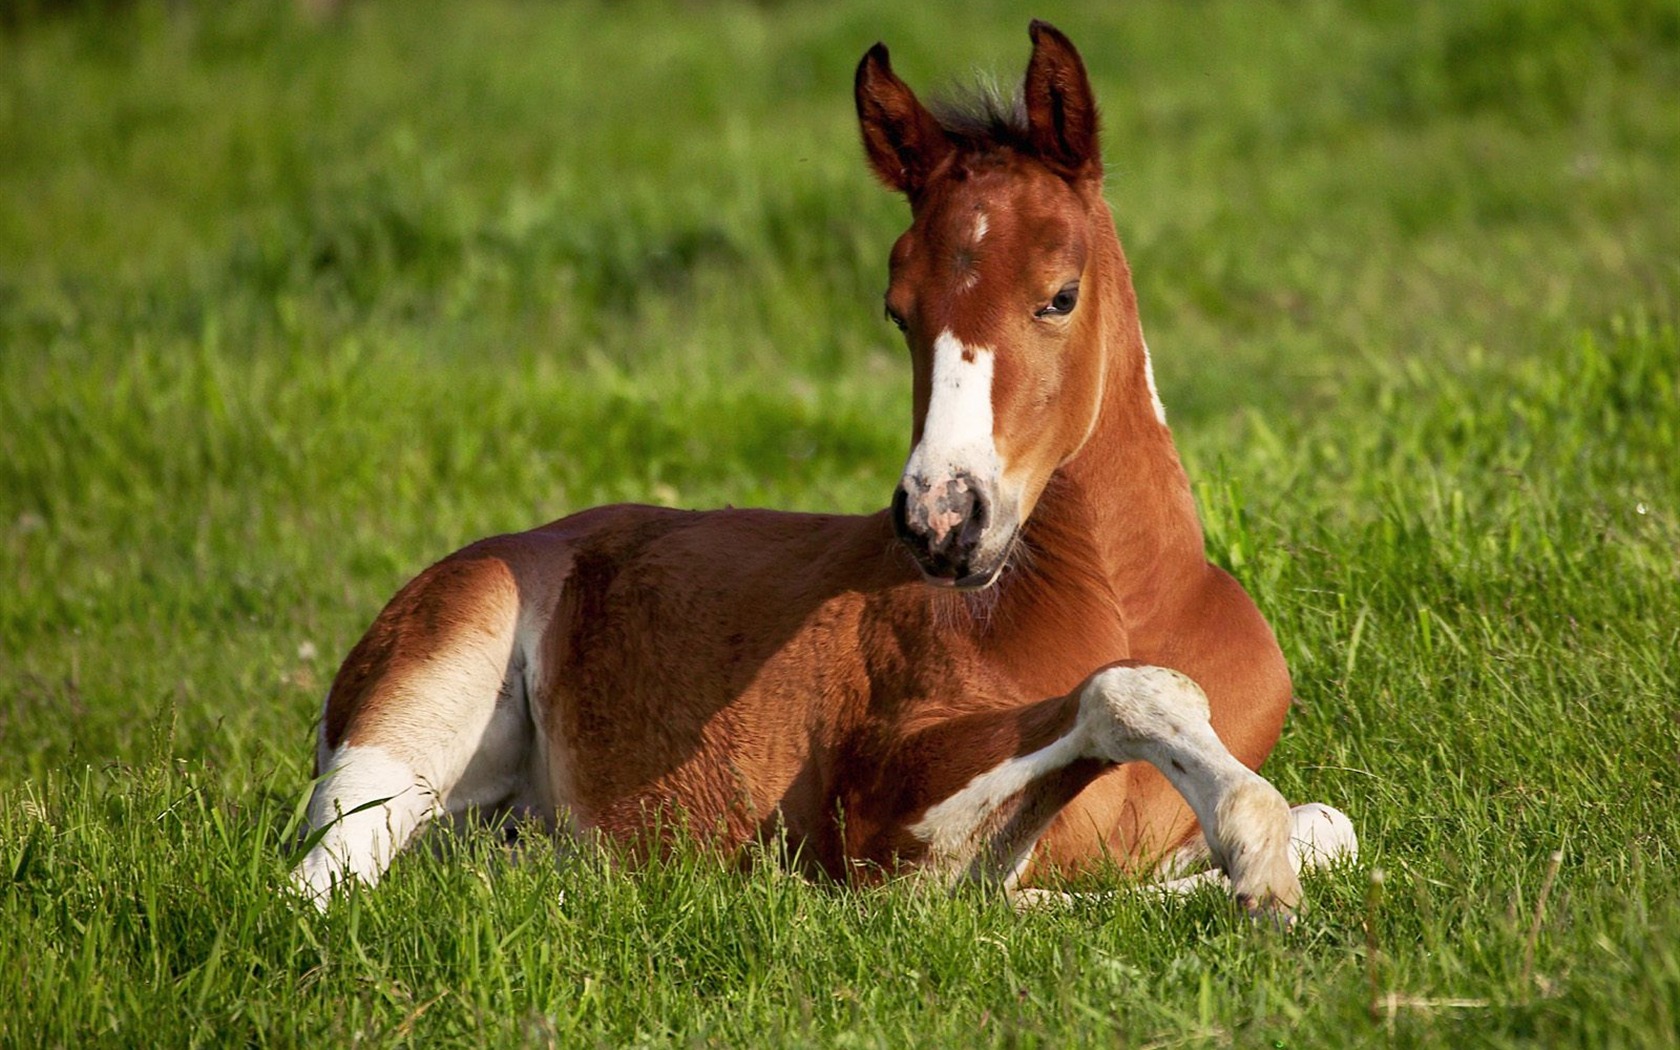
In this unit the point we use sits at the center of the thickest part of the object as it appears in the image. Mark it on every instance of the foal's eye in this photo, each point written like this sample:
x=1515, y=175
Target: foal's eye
x=902, y=325
x=1062, y=302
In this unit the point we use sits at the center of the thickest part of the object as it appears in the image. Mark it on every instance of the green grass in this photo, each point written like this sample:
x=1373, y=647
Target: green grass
x=289, y=310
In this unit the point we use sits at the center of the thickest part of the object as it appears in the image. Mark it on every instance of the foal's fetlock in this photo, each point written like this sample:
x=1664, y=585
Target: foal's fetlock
x=1251, y=843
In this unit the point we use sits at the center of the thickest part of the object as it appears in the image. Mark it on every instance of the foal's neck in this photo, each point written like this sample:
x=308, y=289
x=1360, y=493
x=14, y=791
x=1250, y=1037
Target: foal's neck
x=1119, y=514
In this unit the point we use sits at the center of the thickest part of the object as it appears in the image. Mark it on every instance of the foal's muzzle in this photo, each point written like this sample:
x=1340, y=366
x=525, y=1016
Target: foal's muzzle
x=944, y=523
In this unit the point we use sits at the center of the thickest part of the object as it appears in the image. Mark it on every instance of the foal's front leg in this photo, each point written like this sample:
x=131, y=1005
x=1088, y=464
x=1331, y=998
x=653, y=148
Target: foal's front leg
x=987, y=828
x=1161, y=717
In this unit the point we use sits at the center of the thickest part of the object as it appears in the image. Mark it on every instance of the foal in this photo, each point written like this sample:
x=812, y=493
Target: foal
x=754, y=673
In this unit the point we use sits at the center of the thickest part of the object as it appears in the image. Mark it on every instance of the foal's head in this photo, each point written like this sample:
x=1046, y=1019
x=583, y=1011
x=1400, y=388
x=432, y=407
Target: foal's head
x=999, y=285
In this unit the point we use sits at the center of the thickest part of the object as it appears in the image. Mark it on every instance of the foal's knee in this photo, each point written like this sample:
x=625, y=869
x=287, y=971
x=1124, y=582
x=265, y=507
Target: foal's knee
x=1123, y=707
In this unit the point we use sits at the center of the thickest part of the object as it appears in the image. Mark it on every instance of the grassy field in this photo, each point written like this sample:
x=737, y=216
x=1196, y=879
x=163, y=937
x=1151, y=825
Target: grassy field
x=289, y=310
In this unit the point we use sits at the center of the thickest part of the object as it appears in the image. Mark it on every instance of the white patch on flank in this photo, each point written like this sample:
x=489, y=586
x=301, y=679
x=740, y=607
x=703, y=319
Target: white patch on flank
x=447, y=733
x=1154, y=394
x=980, y=228
x=957, y=432
x=953, y=828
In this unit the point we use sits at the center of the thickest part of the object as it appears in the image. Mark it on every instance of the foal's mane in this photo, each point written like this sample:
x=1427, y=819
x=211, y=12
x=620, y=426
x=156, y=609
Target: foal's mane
x=980, y=116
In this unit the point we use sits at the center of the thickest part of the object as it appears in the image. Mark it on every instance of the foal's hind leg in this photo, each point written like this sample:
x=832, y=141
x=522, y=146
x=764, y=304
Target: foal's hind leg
x=428, y=716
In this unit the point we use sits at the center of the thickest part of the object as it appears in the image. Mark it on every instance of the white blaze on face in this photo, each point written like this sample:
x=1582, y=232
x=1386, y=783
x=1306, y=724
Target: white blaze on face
x=957, y=432
x=980, y=228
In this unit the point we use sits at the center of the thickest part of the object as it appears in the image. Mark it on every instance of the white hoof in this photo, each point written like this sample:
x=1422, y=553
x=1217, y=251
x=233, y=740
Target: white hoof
x=1320, y=836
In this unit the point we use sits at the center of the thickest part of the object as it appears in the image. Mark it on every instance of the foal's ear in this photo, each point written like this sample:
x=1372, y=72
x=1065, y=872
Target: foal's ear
x=904, y=141
x=1061, y=111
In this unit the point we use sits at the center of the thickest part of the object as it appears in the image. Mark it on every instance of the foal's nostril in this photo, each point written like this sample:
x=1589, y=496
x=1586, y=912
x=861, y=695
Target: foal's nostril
x=968, y=504
x=942, y=523
x=952, y=513
x=974, y=523
x=901, y=513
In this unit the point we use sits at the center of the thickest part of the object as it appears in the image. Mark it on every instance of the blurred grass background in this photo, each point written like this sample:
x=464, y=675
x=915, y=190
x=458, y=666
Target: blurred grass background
x=291, y=306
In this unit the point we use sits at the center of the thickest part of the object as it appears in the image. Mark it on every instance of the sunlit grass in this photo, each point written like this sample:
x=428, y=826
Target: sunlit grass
x=289, y=310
